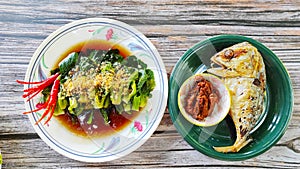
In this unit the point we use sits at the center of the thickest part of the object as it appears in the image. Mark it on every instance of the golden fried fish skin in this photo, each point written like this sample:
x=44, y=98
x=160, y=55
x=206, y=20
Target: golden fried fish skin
x=243, y=72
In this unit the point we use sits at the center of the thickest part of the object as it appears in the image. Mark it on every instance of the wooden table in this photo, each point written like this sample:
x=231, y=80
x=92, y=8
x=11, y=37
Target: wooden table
x=173, y=27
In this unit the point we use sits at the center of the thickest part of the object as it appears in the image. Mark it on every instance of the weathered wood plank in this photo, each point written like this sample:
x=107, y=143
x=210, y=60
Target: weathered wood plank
x=257, y=13
x=156, y=152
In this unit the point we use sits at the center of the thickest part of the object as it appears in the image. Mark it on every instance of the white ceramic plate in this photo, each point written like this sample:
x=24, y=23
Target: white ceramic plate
x=139, y=130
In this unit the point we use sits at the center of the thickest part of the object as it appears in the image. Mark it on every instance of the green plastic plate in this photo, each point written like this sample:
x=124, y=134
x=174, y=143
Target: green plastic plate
x=278, y=110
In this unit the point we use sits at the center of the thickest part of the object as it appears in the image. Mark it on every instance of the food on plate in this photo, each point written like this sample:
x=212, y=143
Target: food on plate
x=201, y=99
x=243, y=72
x=94, y=88
x=204, y=100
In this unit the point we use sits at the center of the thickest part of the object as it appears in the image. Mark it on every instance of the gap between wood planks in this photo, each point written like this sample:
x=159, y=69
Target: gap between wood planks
x=27, y=136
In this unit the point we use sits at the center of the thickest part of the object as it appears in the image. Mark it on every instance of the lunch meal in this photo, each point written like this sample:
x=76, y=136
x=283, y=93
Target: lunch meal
x=94, y=89
x=242, y=70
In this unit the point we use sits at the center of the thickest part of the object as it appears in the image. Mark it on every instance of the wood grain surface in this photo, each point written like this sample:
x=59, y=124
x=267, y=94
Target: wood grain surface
x=173, y=27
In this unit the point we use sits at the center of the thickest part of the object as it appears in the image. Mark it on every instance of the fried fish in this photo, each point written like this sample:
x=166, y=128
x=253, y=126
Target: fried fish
x=243, y=72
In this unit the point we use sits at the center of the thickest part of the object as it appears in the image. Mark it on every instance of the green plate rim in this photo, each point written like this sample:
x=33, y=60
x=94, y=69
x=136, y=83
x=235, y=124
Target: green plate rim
x=281, y=66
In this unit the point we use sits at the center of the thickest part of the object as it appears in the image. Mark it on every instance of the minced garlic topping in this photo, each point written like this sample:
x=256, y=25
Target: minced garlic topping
x=83, y=84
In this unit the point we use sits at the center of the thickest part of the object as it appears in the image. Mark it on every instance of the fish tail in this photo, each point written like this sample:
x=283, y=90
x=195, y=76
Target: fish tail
x=234, y=148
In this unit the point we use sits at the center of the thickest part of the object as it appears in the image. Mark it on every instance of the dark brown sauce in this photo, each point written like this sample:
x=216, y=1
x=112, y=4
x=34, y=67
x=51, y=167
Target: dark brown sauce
x=98, y=127
x=93, y=44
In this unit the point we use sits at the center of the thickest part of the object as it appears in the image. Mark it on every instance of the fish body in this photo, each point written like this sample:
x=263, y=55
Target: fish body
x=243, y=72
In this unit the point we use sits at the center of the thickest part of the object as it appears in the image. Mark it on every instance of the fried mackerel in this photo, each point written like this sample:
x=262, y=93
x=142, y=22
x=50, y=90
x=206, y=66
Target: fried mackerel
x=243, y=72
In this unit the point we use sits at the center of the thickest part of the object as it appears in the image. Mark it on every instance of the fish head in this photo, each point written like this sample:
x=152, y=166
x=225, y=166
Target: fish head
x=238, y=60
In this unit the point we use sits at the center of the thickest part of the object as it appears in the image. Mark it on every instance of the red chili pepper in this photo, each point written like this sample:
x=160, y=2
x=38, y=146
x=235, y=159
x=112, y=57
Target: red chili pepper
x=33, y=91
x=53, y=77
x=50, y=104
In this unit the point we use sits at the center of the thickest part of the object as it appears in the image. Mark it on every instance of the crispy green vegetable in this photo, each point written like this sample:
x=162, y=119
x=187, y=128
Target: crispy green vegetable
x=73, y=105
x=62, y=104
x=103, y=81
x=90, y=120
x=68, y=63
x=124, y=86
x=58, y=111
x=136, y=103
x=133, y=61
x=145, y=86
x=102, y=95
x=131, y=92
x=104, y=113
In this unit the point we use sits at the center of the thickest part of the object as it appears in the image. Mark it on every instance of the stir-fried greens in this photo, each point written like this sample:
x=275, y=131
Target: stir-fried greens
x=98, y=81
